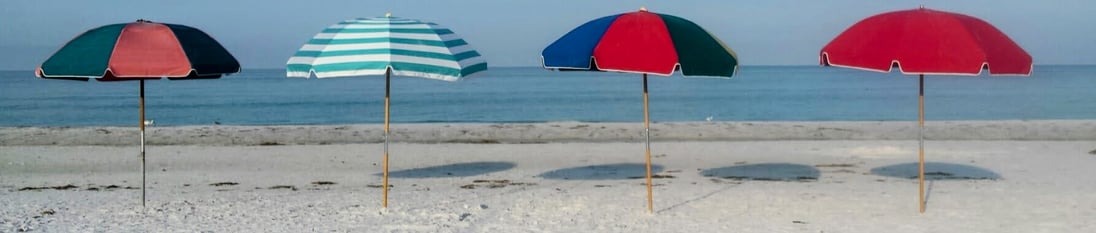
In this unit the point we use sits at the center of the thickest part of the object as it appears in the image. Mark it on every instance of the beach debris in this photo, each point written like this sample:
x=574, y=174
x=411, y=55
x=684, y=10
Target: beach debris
x=323, y=183
x=48, y=212
x=799, y=222
x=483, y=206
x=655, y=176
x=61, y=187
x=1093, y=152
x=493, y=184
x=835, y=165
x=379, y=186
x=224, y=184
x=269, y=143
x=464, y=216
x=602, y=185
x=797, y=178
x=290, y=187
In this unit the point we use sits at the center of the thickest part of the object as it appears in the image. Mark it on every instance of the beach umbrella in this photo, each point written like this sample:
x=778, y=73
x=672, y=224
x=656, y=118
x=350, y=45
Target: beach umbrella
x=926, y=42
x=642, y=42
x=386, y=46
x=139, y=51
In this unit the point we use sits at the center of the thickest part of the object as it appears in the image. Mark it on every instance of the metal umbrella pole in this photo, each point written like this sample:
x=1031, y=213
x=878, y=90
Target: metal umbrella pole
x=142, y=143
x=647, y=132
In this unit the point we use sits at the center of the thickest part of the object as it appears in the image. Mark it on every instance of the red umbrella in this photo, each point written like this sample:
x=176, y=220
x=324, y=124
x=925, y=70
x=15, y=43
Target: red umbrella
x=924, y=41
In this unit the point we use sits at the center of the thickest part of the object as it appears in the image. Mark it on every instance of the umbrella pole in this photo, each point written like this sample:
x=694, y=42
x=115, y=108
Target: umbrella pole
x=387, y=78
x=921, y=145
x=647, y=132
x=142, y=143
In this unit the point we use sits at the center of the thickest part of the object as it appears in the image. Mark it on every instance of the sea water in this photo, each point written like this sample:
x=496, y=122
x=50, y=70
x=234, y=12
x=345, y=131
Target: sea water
x=532, y=94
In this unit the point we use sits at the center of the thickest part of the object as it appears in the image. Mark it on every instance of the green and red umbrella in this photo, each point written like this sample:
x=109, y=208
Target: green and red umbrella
x=642, y=42
x=138, y=51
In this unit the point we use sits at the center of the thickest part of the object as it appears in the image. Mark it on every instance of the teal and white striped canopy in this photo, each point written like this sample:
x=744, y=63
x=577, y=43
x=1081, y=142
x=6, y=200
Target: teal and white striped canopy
x=367, y=46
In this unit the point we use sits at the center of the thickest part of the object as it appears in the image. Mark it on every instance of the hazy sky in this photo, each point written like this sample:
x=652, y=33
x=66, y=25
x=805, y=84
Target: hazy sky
x=264, y=33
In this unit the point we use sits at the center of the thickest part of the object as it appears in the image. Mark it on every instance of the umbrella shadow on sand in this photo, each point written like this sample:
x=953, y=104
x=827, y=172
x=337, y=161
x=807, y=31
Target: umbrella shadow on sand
x=618, y=171
x=937, y=171
x=452, y=170
x=765, y=172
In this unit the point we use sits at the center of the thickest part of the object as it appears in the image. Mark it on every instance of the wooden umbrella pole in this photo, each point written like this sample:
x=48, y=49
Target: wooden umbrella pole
x=387, y=85
x=142, y=142
x=647, y=132
x=921, y=145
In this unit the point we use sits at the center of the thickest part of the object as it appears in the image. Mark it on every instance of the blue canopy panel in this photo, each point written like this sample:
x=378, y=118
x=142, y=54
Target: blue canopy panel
x=575, y=49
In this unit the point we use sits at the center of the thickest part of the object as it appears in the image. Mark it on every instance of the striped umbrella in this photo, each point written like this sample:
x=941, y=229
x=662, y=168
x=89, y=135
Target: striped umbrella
x=389, y=46
x=642, y=42
x=138, y=51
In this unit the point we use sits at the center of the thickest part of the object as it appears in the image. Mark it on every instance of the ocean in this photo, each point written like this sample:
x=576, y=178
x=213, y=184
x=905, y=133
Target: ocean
x=532, y=94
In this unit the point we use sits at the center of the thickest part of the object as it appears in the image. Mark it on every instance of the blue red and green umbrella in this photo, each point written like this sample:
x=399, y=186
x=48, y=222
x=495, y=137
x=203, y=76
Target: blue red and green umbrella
x=642, y=42
x=138, y=51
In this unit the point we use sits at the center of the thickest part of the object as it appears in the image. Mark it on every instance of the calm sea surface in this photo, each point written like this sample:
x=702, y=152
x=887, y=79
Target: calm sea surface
x=531, y=94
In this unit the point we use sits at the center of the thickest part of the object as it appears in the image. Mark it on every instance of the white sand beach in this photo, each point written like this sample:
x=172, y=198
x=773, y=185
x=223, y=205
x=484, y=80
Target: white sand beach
x=985, y=176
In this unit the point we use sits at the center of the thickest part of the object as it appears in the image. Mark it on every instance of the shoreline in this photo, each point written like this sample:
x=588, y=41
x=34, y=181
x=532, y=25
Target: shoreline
x=551, y=132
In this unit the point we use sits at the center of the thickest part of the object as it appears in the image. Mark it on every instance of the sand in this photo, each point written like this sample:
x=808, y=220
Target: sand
x=1009, y=181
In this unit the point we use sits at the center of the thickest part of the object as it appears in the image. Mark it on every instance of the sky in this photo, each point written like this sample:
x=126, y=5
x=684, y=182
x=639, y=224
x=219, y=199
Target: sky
x=265, y=33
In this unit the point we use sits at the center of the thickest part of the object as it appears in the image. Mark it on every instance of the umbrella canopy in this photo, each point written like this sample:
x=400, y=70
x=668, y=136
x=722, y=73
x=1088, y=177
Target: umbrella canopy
x=924, y=41
x=642, y=42
x=386, y=46
x=138, y=51
x=372, y=46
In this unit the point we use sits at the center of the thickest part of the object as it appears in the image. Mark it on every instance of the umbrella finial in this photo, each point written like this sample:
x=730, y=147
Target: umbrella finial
x=642, y=8
x=922, y=6
x=388, y=14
